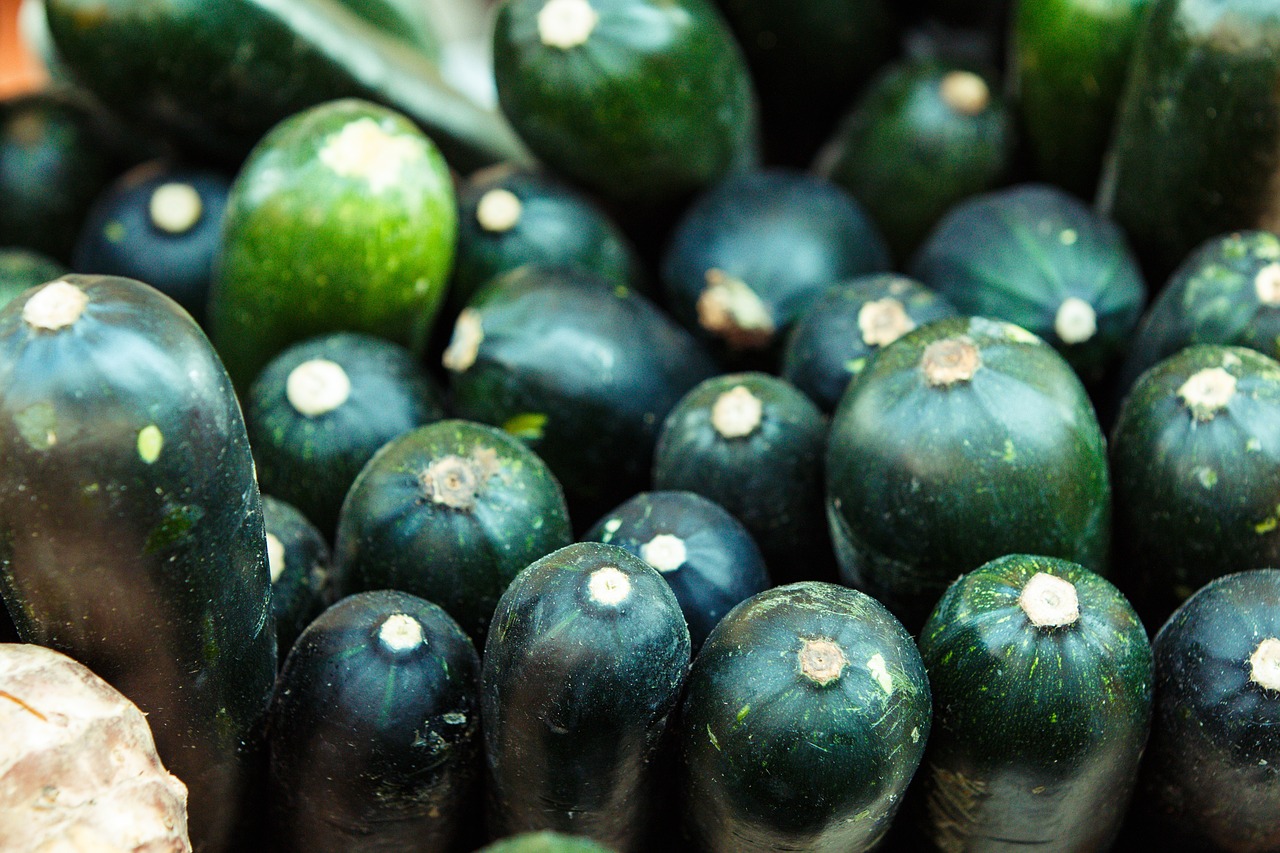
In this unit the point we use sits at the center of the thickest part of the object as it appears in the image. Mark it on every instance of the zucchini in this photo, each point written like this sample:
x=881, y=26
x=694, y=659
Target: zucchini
x=1037, y=257
x=131, y=529
x=1042, y=684
x=832, y=342
x=299, y=560
x=1195, y=460
x=964, y=440
x=322, y=407
x=707, y=555
x=342, y=219
x=450, y=511
x=583, y=666
x=640, y=101
x=1203, y=92
x=749, y=256
x=805, y=717
x=218, y=76
x=24, y=268
x=1210, y=776
x=374, y=730
x=160, y=223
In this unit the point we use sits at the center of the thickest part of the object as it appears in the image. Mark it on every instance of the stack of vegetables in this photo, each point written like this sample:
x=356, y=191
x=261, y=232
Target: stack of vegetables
x=823, y=425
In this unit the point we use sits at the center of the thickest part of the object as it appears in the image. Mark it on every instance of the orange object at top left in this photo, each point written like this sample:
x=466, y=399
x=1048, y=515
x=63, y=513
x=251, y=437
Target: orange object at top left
x=20, y=69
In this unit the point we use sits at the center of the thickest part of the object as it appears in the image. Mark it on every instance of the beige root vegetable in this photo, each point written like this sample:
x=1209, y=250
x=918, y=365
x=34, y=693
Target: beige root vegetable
x=78, y=766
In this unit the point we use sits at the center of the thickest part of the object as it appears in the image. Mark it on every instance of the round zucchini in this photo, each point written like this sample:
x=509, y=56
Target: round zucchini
x=584, y=665
x=298, y=557
x=131, y=529
x=832, y=342
x=805, y=717
x=963, y=441
x=706, y=554
x=374, y=730
x=544, y=842
x=320, y=410
x=1212, y=772
x=1042, y=684
x=24, y=268
x=342, y=219
x=450, y=511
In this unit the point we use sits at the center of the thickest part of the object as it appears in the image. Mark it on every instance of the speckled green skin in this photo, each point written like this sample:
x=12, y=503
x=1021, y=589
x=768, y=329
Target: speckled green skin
x=775, y=761
x=1196, y=499
x=1211, y=777
x=392, y=534
x=907, y=156
x=1037, y=731
x=925, y=483
x=826, y=349
x=373, y=748
x=1016, y=254
x=219, y=75
x=576, y=695
x=303, y=588
x=312, y=460
x=584, y=373
x=1204, y=93
x=657, y=103
x=770, y=479
x=1069, y=59
x=1212, y=298
x=544, y=842
x=23, y=268
x=558, y=226
x=306, y=250
x=153, y=574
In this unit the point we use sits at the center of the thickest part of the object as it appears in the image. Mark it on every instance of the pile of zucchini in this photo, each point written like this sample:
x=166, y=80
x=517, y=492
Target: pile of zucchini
x=821, y=425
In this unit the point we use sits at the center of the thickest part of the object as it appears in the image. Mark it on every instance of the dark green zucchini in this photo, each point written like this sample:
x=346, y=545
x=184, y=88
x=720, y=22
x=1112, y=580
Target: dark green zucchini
x=805, y=718
x=24, y=268
x=406, y=19
x=923, y=135
x=131, y=530
x=1211, y=777
x=508, y=217
x=1196, y=147
x=832, y=342
x=963, y=441
x=582, y=668
x=160, y=223
x=451, y=511
x=1226, y=292
x=218, y=76
x=298, y=557
x=1068, y=64
x=1042, y=689
x=753, y=253
x=342, y=219
x=641, y=101
x=323, y=407
x=583, y=372
x=374, y=731
x=1038, y=257
x=544, y=842
x=706, y=554
x=1195, y=462
x=753, y=443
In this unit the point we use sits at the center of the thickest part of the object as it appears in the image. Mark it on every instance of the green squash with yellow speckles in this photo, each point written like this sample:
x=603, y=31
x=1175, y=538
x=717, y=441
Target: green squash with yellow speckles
x=342, y=219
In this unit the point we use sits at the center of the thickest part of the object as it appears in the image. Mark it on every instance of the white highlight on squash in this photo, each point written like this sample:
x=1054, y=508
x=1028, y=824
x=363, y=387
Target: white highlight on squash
x=1266, y=284
x=55, y=306
x=363, y=149
x=965, y=92
x=400, y=632
x=499, y=210
x=317, y=387
x=880, y=672
x=609, y=586
x=175, y=207
x=1264, y=664
x=150, y=443
x=1076, y=321
x=566, y=23
x=464, y=345
x=883, y=321
x=665, y=552
x=275, y=556
x=737, y=412
x=821, y=660
x=1049, y=601
x=729, y=308
x=1207, y=392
